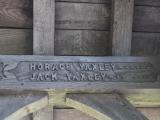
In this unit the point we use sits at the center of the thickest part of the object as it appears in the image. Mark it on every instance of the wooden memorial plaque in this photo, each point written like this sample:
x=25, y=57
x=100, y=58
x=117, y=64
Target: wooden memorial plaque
x=78, y=73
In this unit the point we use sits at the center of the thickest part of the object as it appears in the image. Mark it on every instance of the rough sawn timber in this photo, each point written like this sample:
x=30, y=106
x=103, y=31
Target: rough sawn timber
x=122, y=11
x=43, y=40
x=44, y=24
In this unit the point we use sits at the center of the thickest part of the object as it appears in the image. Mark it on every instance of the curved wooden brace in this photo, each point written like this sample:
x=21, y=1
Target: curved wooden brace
x=104, y=106
x=99, y=106
x=14, y=107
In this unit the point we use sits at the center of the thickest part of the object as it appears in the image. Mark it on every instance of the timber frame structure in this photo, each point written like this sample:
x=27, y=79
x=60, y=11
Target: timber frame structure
x=106, y=88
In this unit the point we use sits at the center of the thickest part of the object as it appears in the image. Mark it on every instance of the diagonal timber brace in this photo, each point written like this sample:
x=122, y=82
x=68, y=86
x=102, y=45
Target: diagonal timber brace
x=16, y=106
x=131, y=78
x=99, y=106
x=104, y=106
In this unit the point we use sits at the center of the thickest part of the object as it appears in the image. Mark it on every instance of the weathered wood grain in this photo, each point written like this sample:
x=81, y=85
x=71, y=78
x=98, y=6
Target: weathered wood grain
x=23, y=110
x=104, y=106
x=147, y=2
x=15, y=41
x=82, y=16
x=44, y=114
x=146, y=19
x=43, y=40
x=22, y=107
x=81, y=42
x=60, y=114
x=68, y=16
x=121, y=32
x=146, y=44
x=137, y=2
x=93, y=53
x=19, y=41
x=44, y=27
x=13, y=107
x=19, y=100
x=70, y=114
x=24, y=74
x=86, y=16
x=86, y=1
x=16, y=13
x=134, y=95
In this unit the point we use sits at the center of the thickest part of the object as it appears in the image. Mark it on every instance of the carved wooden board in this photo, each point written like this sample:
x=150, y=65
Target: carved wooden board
x=78, y=73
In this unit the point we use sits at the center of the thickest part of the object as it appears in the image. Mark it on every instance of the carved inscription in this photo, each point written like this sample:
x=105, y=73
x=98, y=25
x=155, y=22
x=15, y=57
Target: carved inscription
x=82, y=72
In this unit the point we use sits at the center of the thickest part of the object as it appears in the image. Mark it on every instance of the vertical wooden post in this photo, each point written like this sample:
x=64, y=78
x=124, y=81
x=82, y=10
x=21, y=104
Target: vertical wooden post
x=43, y=42
x=122, y=13
x=44, y=27
x=122, y=27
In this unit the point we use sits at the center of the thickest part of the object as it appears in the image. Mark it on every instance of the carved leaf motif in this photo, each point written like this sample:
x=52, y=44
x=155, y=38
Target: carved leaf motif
x=2, y=71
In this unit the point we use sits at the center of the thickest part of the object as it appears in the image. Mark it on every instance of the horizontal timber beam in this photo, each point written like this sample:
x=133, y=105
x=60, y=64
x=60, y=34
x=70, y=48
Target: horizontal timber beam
x=79, y=73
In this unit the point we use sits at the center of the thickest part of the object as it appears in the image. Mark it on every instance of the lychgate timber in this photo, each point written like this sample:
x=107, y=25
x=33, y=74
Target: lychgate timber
x=38, y=69
x=106, y=88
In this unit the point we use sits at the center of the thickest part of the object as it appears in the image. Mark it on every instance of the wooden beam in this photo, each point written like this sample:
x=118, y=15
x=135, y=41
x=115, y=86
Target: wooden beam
x=16, y=73
x=19, y=41
x=67, y=73
x=82, y=17
x=43, y=42
x=23, y=103
x=70, y=114
x=44, y=114
x=104, y=106
x=16, y=106
x=60, y=114
x=122, y=27
x=44, y=24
